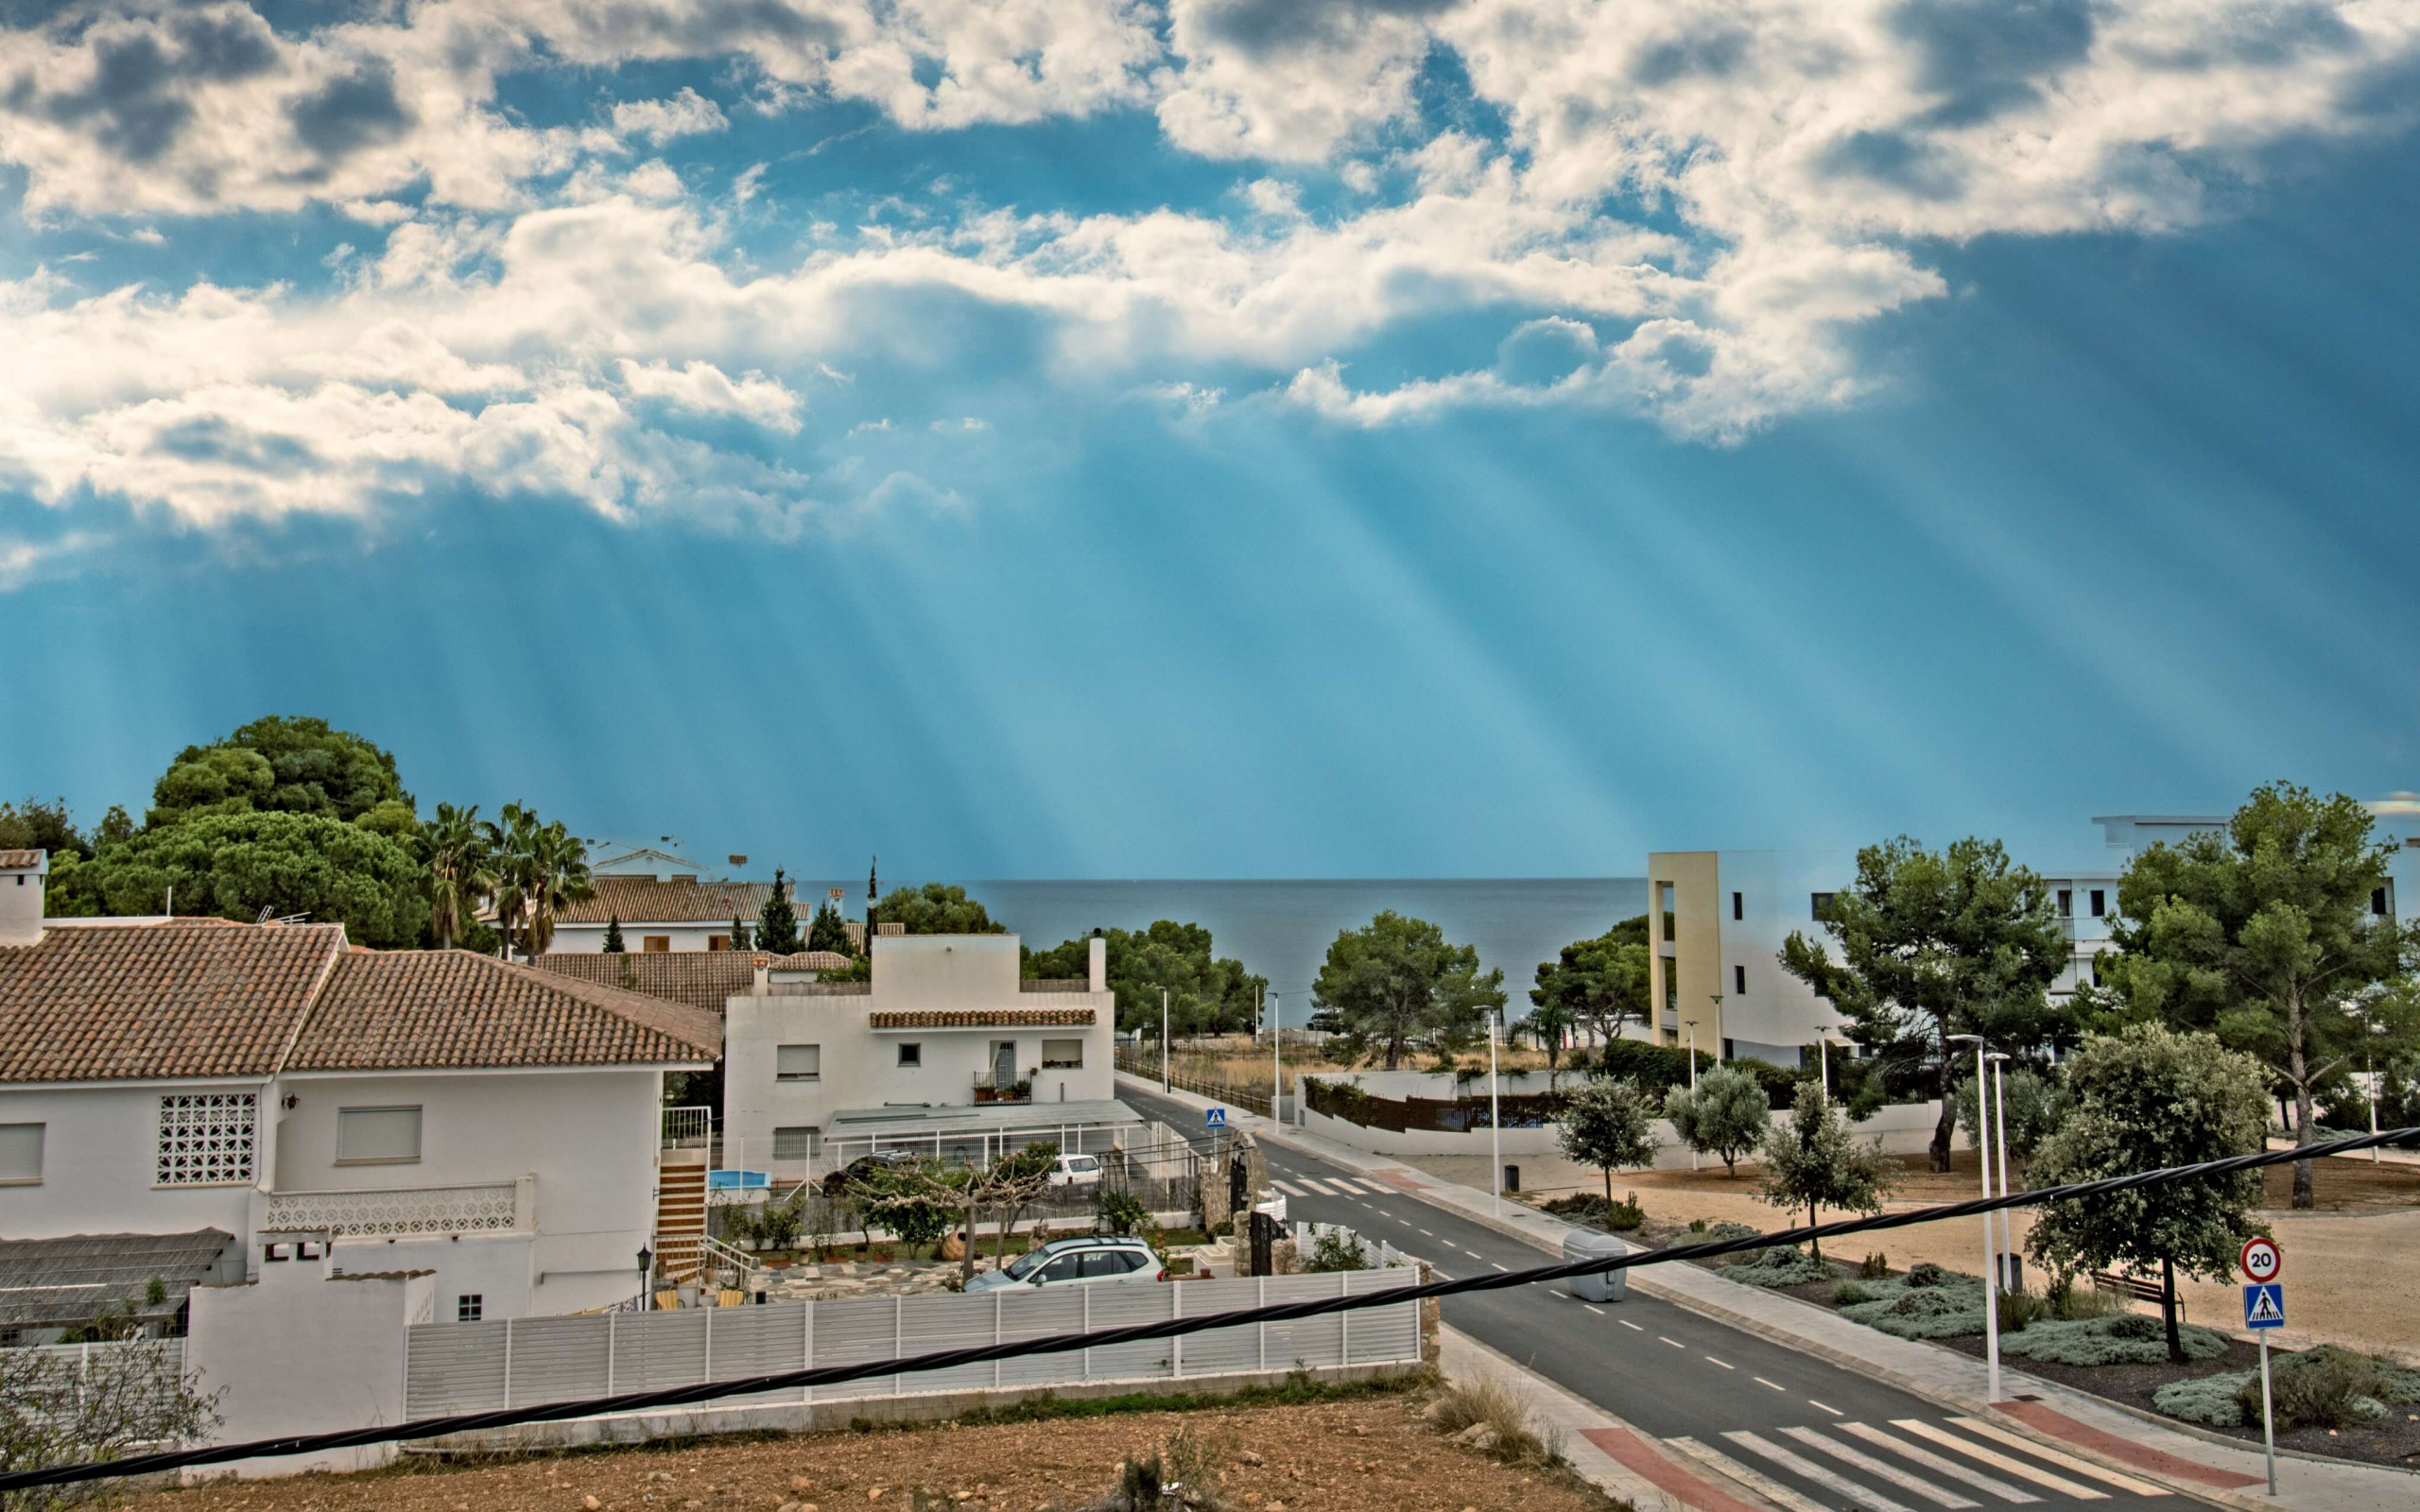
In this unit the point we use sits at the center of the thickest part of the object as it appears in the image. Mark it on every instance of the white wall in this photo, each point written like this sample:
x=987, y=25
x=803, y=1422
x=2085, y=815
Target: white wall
x=296, y=1352
x=1903, y=1129
x=589, y=939
x=101, y=1149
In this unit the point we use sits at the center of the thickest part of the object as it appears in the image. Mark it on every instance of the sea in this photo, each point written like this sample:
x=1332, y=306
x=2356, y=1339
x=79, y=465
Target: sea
x=1281, y=929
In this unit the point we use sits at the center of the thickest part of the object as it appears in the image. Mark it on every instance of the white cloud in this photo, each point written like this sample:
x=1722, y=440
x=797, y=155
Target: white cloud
x=687, y=114
x=702, y=388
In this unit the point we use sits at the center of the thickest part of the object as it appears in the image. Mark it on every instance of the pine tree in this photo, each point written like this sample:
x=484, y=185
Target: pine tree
x=738, y=933
x=828, y=933
x=614, y=936
x=777, y=926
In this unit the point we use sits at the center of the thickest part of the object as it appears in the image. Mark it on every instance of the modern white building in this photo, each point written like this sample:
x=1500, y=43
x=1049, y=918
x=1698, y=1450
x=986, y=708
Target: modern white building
x=945, y=1023
x=674, y=912
x=430, y=1110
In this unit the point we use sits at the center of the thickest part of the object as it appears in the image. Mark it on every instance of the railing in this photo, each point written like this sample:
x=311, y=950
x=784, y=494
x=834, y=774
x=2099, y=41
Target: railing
x=1054, y=984
x=713, y=1251
x=1137, y=1062
x=1439, y=1115
x=687, y=1126
x=497, y=1208
x=988, y=1089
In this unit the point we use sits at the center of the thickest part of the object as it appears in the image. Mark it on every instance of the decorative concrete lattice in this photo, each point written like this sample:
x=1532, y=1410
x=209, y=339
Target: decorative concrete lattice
x=484, y=1210
x=206, y=1139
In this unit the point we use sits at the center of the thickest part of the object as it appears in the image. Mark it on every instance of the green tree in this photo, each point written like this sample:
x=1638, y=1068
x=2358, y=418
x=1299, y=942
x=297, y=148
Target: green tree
x=741, y=938
x=287, y=765
x=2263, y=935
x=1938, y=943
x=240, y=865
x=777, y=924
x=460, y=871
x=828, y=932
x=541, y=868
x=35, y=825
x=1598, y=985
x=1607, y=1124
x=916, y=1203
x=1400, y=986
x=1728, y=1116
x=1813, y=1162
x=2148, y=1098
x=937, y=908
x=612, y=945
x=2035, y=1104
x=1207, y=994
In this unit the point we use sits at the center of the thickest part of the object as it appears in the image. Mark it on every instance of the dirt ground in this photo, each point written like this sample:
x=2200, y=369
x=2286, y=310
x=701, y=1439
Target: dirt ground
x=2352, y=1269
x=1360, y=1455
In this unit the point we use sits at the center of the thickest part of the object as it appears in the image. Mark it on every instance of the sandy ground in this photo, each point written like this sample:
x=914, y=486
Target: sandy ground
x=1367, y=1455
x=2352, y=1270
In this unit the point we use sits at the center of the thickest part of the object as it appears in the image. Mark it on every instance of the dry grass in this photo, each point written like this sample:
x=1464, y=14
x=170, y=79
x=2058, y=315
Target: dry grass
x=1496, y=1404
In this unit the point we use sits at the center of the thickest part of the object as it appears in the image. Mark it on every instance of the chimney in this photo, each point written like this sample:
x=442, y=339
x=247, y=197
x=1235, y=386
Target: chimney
x=21, y=890
x=1097, y=972
x=763, y=984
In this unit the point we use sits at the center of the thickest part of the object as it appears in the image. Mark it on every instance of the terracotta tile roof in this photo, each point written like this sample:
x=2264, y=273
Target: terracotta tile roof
x=409, y=1010
x=975, y=1018
x=20, y=860
x=645, y=900
x=699, y=979
x=155, y=1000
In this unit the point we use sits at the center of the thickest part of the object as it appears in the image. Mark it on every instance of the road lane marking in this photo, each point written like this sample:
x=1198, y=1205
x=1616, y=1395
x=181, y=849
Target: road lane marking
x=1997, y=1461
x=1806, y=1470
x=1859, y=1459
x=1316, y=1186
x=1425, y=1232
x=1762, y=1381
x=1288, y=1188
x=1628, y=1324
x=1757, y=1481
x=2066, y=1461
x=1711, y=1360
x=1936, y=1464
x=1593, y=1308
x=1498, y=1267
x=1827, y=1406
x=1674, y=1343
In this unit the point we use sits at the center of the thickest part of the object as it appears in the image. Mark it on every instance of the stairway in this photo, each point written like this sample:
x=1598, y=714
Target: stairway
x=680, y=1213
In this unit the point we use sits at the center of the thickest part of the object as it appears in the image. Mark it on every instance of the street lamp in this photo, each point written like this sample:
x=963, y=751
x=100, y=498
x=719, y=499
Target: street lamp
x=1693, y=1078
x=1991, y=1254
x=647, y=1279
x=1495, y=1124
x=2008, y=1259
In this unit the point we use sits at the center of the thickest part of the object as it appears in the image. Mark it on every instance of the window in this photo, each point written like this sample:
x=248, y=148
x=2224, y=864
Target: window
x=2377, y=900
x=1664, y=906
x=1101, y=1265
x=1062, y=1054
x=2100, y=903
x=1738, y=906
x=717, y=942
x=794, y=1144
x=911, y=1054
x=1738, y=979
x=1066, y=1268
x=1727, y=1053
x=798, y=1063
x=1819, y=905
x=468, y=1307
x=378, y=1135
x=206, y=1139
x=655, y=944
x=20, y=1154
x=2067, y=902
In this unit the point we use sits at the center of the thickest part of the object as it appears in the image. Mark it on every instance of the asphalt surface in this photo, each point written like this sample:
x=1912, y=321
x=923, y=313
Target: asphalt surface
x=1670, y=1373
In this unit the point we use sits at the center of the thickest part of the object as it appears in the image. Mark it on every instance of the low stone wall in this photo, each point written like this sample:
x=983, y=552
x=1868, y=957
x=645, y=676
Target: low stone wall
x=1905, y=1129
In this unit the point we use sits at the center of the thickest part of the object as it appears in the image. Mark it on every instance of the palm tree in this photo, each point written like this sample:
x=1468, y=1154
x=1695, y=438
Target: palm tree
x=561, y=877
x=458, y=874
x=512, y=845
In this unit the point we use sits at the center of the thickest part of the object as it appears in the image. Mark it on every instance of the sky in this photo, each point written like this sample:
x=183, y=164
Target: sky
x=1221, y=437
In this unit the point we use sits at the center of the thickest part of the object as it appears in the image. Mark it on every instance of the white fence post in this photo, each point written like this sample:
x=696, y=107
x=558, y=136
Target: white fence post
x=609, y=1319
x=898, y=1322
x=806, y=1350
x=1176, y=1310
x=1343, y=1321
x=1088, y=1363
x=508, y=1365
x=709, y=1371
x=1263, y=1328
x=995, y=1326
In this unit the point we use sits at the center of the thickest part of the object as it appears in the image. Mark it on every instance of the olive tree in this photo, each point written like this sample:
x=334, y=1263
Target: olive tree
x=1727, y=1115
x=60, y=1406
x=2146, y=1098
x=1813, y=1162
x=1606, y=1125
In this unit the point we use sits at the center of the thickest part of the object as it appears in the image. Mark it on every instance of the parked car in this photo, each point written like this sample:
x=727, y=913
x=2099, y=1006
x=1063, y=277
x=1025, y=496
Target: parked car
x=1077, y=1171
x=1077, y=1262
x=837, y=1181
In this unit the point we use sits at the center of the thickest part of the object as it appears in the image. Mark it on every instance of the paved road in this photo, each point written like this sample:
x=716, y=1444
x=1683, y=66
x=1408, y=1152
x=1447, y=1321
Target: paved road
x=1818, y=1437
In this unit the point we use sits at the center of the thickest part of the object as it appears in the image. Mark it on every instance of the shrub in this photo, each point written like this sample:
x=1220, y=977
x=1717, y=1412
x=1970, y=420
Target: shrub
x=1927, y=1312
x=1925, y=1273
x=1779, y=1266
x=2326, y=1387
x=1337, y=1249
x=1875, y=1267
x=1181, y=1472
x=1848, y=1293
x=2214, y=1400
x=1626, y=1214
x=2017, y=1309
x=1496, y=1404
x=1121, y=1212
x=1579, y=1204
x=2122, y=1338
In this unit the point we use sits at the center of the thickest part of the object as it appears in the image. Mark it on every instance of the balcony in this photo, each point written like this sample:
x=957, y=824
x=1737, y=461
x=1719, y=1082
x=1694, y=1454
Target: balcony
x=1054, y=984
x=988, y=1090
x=491, y=1207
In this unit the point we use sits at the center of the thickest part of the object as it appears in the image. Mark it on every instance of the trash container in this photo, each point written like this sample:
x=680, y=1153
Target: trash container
x=1512, y=1178
x=1597, y=1286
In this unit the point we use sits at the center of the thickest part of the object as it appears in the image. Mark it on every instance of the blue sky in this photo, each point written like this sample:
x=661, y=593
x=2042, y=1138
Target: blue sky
x=1221, y=438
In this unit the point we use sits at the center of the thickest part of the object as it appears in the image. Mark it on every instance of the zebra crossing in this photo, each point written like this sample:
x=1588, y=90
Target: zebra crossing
x=1906, y=1464
x=1334, y=1186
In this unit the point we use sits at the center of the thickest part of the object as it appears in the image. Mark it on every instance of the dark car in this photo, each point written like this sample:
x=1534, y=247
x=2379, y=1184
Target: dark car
x=864, y=1165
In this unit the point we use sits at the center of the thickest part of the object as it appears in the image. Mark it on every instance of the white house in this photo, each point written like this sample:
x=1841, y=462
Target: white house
x=418, y=1109
x=944, y=1022
x=657, y=914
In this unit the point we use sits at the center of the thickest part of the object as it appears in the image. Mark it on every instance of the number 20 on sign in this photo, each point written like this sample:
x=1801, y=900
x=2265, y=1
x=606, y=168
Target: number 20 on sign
x=2260, y=1259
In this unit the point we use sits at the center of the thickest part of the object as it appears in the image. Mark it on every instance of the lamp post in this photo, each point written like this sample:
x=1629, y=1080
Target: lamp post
x=647, y=1279
x=1163, y=1040
x=1991, y=1258
x=2014, y=1278
x=1494, y=1124
x=1693, y=1078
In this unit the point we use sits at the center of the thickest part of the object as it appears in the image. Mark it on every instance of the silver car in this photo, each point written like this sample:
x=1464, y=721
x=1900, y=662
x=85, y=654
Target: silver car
x=1076, y=1263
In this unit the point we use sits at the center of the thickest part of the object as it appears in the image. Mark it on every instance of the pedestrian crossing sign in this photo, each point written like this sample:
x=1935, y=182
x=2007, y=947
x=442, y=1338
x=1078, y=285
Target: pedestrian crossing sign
x=2264, y=1305
x=1218, y=1118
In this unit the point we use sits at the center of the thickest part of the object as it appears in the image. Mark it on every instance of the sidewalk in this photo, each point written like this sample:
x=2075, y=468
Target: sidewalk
x=2181, y=1458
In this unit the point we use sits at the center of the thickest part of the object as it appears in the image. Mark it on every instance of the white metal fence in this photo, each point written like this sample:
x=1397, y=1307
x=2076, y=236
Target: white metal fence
x=457, y=1367
x=53, y=1378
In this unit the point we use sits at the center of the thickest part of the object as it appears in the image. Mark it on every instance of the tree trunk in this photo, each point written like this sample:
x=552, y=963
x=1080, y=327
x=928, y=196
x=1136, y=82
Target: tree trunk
x=1816, y=1244
x=2300, y=1070
x=1938, y=1154
x=2168, y=1309
x=1609, y=1192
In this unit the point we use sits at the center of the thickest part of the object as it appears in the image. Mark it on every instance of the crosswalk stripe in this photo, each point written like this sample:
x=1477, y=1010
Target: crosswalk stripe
x=1997, y=1461
x=2066, y=1461
x=1938, y=1466
x=1348, y=1184
x=1806, y=1470
x=1892, y=1473
x=1288, y=1188
x=1757, y=1481
x=1319, y=1187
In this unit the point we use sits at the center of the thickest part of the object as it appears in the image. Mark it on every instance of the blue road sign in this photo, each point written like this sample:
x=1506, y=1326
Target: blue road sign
x=2264, y=1305
x=1216, y=1117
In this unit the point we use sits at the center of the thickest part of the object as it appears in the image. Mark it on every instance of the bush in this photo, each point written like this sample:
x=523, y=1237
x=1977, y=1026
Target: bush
x=1925, y=1273
x=2122, y=1338
x=1626, y=1214
x=2017, y=1309
x=1848, y=1293
x=1337, y=1249
x=1875, y=1267
x=1121, y=1212
x=2326, y=1387
x=2215, y=1402
x=1926, y=1312
x=1496, y=1404
x=1181, y=1472
x=1779, y=1266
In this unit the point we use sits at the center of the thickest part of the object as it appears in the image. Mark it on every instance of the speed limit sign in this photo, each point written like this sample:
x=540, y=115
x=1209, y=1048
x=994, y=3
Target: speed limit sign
x=2261, y=1259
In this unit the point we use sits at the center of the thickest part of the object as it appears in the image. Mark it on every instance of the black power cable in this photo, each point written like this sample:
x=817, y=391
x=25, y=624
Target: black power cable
x=1064, y=1343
